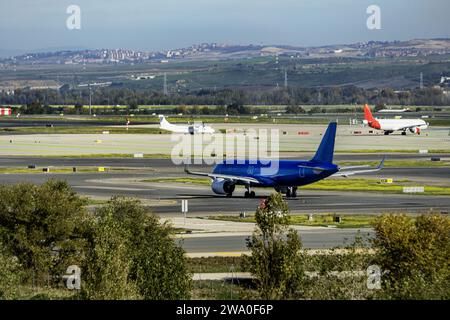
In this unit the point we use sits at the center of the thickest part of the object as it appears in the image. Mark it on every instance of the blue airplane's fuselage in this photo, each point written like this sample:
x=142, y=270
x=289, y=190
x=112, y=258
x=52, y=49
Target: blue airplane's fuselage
x=284, y=173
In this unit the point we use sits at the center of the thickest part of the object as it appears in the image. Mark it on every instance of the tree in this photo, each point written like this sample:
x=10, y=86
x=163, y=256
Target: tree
x=416, y=254
x=314, y=110
x=295, y=109
x=42, y=226
x=130, y=245
x=34, y=107
x=206, y=110
x=132, y=105
x=328, y=285
x=106, y=270
x=160, y=266
x=10, y=274
x=181, y=109
x=379, y=106
x=78, y=108
x=275, y=258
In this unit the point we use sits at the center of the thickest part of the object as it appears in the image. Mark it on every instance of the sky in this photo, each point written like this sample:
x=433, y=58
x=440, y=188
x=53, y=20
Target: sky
x=39, y=25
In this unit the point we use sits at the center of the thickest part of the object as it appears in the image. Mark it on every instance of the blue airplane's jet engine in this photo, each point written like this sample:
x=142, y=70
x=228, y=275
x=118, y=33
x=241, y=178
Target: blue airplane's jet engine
x=222, y=186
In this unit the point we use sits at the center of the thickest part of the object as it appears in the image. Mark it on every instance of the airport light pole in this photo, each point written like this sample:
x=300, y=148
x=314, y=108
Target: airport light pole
x=90, y=99
x=89, y=86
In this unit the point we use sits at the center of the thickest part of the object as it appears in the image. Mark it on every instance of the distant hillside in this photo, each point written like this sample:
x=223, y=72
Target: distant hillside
x=374, y=64
x=214, y=51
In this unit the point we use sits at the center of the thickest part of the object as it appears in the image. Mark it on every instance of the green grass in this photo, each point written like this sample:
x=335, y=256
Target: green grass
x=341, y=184
x=168, y=156
x=19, y=170
x=222, y=290
x=438, y=122
x=391, y=151
x=322, y=220
x=28, y=292
x=398, y=163
x=369, y=185
x=177, y=119
x=271, y=119
x=106, y=155
x=215, y=264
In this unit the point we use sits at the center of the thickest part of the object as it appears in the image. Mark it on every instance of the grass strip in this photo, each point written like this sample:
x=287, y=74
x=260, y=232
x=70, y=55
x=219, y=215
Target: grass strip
x=341, y=184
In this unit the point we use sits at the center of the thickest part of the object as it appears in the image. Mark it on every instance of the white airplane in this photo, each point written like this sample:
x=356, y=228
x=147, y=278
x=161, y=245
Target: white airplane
x=391, y=125
x=393, y=110
x=190, y=129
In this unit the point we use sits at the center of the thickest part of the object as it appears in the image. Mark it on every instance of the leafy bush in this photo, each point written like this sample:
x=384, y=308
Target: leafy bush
x=415, y=254
x=42, y=226
x=10, y=274
x=108, y=263
x=275, y=259
x=132, y=255
x=337, y=275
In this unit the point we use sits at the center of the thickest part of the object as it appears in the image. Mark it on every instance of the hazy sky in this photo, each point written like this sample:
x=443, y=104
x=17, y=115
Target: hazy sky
x=28, y=25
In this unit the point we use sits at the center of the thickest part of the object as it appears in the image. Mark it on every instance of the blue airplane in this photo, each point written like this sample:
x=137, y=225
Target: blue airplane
x=289, y=174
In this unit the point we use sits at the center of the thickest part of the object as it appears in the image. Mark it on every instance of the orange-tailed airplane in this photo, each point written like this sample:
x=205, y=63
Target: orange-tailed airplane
x=391, y=125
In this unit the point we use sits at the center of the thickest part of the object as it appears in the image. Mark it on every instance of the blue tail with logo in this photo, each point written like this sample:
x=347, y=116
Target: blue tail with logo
x=326, y=148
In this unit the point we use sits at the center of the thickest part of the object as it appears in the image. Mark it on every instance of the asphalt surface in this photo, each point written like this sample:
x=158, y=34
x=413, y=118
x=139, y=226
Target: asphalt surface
x=323, y=239
x=202, y=201
x=12, y=161
x=165, y=198
x=60, y=123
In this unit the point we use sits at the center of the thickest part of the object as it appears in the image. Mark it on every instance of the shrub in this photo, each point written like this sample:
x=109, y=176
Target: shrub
x=275, y=259
x=106, y=271
x=131, y=247
x=41, y=226
x=10, y=274
x=415, y=254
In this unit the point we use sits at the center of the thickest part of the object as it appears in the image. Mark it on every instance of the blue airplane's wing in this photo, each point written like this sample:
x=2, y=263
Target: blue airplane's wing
x=241, y=179
x=346, y=173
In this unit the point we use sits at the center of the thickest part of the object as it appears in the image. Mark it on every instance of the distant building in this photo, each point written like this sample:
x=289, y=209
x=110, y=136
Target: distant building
x=445, y=82
x=5, y=111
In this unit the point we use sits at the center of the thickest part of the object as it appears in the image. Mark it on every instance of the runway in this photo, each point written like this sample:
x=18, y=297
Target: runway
x=13, y=161
x=310, y=239
x=164, y=199
x=14, y=123
x=287, y=139
x=202, y=201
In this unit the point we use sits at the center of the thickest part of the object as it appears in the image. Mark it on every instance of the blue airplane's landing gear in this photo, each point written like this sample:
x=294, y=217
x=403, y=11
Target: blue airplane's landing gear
x=229, y=195
x=248, y=193
x=291, y=192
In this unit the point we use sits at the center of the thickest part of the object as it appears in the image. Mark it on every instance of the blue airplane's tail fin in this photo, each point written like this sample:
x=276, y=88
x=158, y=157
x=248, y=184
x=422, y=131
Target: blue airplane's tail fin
x=326, y=148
